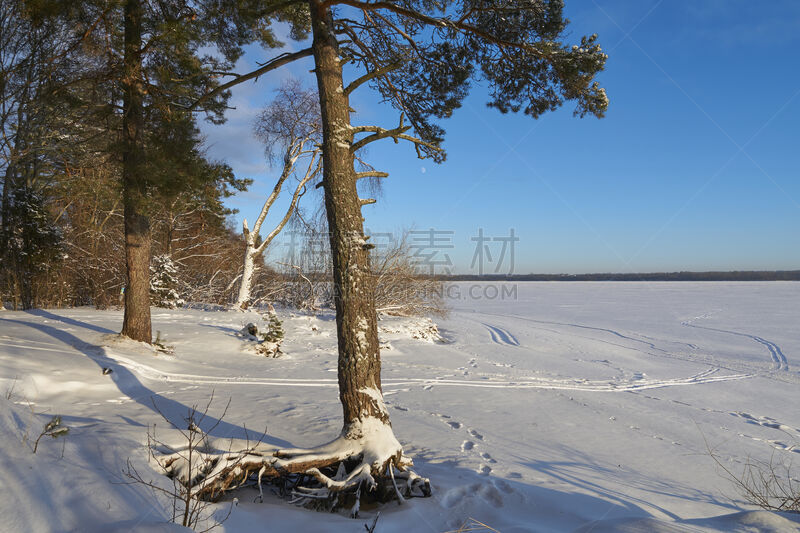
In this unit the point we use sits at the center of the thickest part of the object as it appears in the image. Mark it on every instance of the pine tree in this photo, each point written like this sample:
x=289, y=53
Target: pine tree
x=164, y=283
x=32, y=120
x=421, y=57
x=274, y=328
x=150, y=57
x=34, y=243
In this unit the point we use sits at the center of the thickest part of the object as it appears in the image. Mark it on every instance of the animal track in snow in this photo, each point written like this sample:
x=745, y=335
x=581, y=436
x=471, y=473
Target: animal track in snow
x=475, y=434
x=765, y=421
x=778, y=445
x=488, y=458
x=469, y=445
x=454, y=424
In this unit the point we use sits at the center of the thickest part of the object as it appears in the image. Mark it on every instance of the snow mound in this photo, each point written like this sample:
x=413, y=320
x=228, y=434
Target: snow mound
x=423, y=329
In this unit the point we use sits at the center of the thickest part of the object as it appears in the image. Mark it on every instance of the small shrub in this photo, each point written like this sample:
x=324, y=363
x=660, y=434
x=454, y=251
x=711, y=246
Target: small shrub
x=52, y=429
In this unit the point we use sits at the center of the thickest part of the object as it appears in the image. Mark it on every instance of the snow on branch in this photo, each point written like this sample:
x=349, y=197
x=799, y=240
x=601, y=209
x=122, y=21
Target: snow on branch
x=396, y=134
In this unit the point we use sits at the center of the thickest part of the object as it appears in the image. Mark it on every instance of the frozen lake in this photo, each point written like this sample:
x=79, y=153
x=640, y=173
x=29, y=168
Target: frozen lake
x=548, y=407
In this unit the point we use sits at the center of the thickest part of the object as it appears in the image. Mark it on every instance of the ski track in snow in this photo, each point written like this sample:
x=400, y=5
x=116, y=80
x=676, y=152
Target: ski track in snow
x=580, y=326
x=109, y=358
x=778, y=358
x=636, y=382
x=498, y=335
x=502, y=336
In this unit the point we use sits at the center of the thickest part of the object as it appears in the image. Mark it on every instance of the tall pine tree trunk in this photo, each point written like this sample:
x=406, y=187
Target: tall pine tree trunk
x=356, y=321
x=7, y=280
x=8, y=184
x=136, y=323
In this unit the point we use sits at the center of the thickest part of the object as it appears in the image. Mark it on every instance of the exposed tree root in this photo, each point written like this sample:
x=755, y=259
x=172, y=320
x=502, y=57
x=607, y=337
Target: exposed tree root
x=366, y=463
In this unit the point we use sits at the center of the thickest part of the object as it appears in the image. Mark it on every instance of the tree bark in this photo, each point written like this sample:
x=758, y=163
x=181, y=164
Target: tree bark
x=136, y=323
x=359, y=368
x=8, y=184
x=248, y=272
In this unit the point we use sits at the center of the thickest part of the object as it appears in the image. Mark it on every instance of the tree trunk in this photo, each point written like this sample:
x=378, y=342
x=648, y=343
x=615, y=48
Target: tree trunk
x=8, y=184
x=356, y=321
x=136, y=323
x=243, y=301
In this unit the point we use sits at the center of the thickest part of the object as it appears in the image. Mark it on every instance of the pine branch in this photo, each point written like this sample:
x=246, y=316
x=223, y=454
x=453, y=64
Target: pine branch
x=355, y=84
x=438, y=22
x=395, y=133
x=270, y=65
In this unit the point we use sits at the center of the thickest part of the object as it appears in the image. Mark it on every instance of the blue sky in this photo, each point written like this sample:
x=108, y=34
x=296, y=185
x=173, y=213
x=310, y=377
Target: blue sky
x=694, y=167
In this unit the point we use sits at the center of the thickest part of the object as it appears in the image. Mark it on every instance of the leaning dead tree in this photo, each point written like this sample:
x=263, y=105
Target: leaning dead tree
x=290, y=125
x=421, y=57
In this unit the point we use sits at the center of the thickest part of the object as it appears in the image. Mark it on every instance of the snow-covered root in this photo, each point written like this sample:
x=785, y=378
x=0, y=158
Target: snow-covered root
x=365, y=463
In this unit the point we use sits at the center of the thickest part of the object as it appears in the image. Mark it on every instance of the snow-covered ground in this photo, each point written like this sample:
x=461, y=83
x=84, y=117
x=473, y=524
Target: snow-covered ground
x=572, y=407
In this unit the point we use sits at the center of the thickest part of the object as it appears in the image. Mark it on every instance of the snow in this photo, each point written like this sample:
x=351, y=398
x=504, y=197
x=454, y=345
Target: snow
x=574, y=407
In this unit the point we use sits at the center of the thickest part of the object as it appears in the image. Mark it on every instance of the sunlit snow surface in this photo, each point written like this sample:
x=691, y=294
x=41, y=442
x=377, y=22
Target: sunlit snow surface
x=560, y=407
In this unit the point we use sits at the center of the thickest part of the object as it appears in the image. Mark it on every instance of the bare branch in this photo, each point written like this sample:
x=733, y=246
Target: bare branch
x=298, y=193
x=371, y=174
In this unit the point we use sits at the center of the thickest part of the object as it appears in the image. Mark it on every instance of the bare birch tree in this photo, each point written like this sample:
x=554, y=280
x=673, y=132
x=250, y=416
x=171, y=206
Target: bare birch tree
x=289, y=126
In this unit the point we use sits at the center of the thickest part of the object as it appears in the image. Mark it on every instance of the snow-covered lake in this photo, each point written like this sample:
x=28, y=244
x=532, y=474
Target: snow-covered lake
x=547, y=407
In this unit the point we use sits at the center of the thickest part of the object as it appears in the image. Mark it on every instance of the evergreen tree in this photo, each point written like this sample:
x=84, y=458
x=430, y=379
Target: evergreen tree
x=164, y=283
x=274, y=328
x=32, y=120
x=161, y=77
x=34, y=243
x=421, y=57
x=150, y=56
